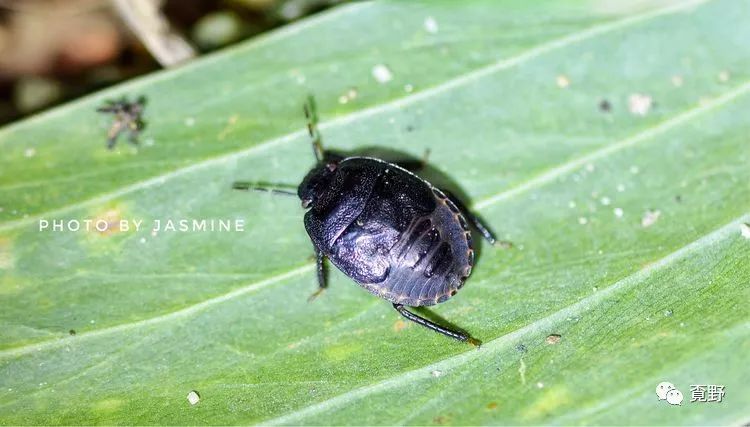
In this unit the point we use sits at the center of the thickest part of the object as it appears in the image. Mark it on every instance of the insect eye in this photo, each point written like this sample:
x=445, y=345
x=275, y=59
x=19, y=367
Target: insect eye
x=331, y=166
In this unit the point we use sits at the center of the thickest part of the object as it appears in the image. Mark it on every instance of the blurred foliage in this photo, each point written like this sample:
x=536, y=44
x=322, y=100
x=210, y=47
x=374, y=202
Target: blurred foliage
x=55, y=50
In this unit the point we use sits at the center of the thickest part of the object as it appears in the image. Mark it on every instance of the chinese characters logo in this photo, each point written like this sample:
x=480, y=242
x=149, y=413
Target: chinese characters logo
x=698, y=393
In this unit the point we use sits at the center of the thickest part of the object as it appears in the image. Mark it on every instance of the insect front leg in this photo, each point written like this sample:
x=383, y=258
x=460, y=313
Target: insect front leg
x=434, y=326
x=322, y=281
x=311, y=113
x=473, y=219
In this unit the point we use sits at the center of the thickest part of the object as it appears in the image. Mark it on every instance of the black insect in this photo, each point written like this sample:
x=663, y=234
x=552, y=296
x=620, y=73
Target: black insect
x=392, y=232
x=128, y=117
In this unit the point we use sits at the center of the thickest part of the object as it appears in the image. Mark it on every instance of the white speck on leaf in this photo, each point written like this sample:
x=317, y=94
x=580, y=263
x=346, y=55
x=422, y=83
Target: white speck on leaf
x=349, y=95
x=677, y=81
x=605, y=201
x=30, y=152
x=189, y=122
x=620, y=187
x=193, y=397
x=583, y=220
x=590, y=167
x=437, y=373
x=639, y=104
x=431, y=25
x=668, y=313
x=408, y=88
x=634, y=170
x=540, y=385
x=382, y=73
x=745, y=230
x=522, y=371
x=724, y=76
x=571, y=204
x=650, y=218
x=562, y=81
x=618, y=212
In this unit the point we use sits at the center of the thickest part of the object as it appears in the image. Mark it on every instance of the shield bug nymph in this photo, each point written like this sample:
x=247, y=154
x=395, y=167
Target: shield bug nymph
x=392, y=232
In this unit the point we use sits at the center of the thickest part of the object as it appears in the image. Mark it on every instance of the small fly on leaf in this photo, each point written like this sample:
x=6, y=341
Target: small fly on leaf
x=128, y=117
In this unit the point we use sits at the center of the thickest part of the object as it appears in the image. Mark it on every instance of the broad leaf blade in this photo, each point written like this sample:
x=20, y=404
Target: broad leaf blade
x=226, y=314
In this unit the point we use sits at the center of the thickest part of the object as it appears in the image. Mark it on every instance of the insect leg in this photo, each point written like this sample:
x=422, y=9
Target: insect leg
x=133, y=133
x=247, y=186
x=322, y=283
x=473, y=219
x=434, y=326
x=311, y=113
x=113, y=133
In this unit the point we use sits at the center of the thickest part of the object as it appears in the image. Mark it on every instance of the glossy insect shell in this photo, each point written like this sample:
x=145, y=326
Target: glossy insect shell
x=392, y=232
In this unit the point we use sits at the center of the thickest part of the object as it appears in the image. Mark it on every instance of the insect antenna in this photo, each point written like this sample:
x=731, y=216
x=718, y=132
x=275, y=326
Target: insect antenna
x=311, y=114
x=249, y=186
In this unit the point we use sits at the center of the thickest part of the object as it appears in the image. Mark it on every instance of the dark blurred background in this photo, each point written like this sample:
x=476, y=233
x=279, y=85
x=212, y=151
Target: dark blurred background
x=56, y=50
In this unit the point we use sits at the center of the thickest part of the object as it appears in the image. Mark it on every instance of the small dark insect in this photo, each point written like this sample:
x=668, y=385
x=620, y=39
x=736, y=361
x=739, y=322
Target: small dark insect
x=605, y=106
x=127, y=118
x=395, y=234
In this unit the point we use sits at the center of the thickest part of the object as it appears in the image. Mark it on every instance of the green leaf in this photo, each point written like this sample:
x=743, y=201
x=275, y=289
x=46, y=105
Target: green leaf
x=509, y=98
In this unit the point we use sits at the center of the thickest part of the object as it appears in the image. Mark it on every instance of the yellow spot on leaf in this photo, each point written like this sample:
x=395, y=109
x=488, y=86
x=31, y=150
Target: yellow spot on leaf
x=108, y=405
x=342, y=352
x=551, y=400
x=6, y=256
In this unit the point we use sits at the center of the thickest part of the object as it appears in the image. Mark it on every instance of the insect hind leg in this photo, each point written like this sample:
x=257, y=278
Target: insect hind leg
x=472, y=218
x=434, y=326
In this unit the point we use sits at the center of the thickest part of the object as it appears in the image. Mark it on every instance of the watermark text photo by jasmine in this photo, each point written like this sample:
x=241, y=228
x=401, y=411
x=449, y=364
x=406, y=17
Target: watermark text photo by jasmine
x=181, y=225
